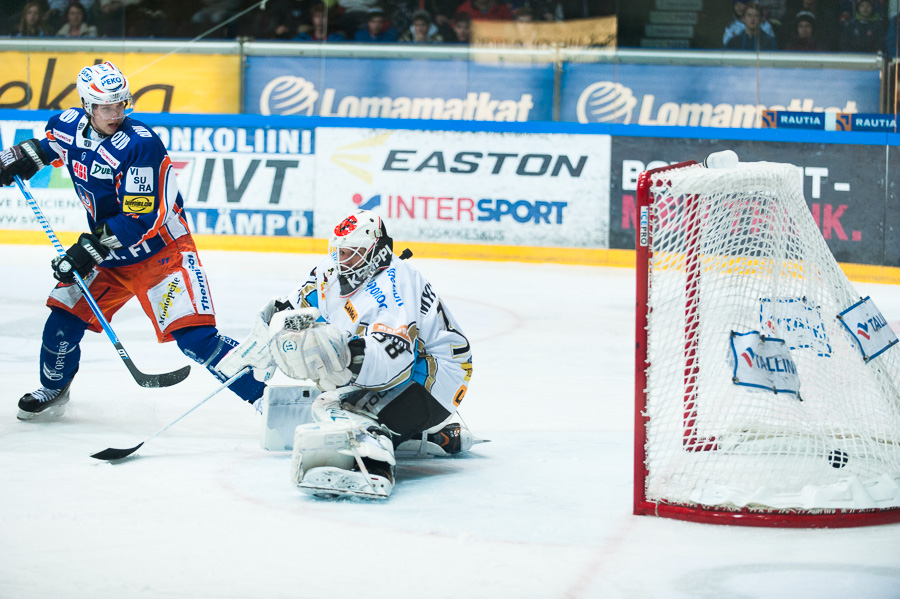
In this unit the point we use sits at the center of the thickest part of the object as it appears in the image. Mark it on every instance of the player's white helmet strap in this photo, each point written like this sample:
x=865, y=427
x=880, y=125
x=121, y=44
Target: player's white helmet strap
x=359, y=248
x=102, y=83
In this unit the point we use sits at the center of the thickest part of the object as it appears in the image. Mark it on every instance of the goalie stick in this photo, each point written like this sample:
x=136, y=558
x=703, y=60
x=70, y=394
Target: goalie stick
x=144, y=380
x=112, y=454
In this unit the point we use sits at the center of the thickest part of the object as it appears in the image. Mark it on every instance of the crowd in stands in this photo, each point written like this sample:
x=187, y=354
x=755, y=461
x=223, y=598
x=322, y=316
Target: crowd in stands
x=795, y=25
x=859, y=26
x=410, y=21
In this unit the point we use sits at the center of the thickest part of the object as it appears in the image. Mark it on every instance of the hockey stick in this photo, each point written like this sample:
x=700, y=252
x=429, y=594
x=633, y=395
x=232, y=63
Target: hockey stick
x=144, y=380
x=111, y=453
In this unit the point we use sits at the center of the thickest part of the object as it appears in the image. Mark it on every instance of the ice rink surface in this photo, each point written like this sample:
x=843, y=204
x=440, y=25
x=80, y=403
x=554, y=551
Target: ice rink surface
x=543, y=511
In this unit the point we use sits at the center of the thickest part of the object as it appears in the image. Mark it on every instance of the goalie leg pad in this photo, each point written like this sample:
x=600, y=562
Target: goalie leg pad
x=334, y=455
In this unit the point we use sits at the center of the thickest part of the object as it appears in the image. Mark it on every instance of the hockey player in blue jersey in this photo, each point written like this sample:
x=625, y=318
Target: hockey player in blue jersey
x=138, y=242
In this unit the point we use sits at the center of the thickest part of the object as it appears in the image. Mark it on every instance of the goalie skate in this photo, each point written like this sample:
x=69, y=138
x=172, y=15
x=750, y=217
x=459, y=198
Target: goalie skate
x=328, y=482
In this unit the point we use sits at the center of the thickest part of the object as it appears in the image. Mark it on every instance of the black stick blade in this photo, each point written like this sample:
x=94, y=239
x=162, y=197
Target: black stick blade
x=113, y=454
x=154, y=381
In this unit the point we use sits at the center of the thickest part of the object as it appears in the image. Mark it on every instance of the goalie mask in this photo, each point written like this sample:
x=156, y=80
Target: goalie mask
x=102, y=84
x=359, y=248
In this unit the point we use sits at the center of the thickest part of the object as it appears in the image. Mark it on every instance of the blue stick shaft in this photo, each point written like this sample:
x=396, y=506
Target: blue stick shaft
x=62, y=252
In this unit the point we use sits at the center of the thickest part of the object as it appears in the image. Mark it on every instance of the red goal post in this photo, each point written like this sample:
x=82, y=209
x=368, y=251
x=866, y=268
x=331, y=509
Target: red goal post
x=734, y=281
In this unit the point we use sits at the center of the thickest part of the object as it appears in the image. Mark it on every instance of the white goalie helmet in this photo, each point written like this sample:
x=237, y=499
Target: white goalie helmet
x=359, y=247
x=102, y=83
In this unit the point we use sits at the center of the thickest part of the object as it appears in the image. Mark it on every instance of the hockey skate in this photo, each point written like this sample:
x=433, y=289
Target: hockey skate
x=453, y=439
x=44, y=402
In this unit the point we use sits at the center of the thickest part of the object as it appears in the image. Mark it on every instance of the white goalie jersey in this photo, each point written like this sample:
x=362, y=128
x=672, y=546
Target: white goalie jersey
x=409, y=334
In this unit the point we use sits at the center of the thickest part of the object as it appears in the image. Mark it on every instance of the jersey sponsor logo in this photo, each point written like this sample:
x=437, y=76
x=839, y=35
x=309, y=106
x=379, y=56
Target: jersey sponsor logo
x=351, y=311
x=87, y=199
x=139, y=179
x=63, y=137
x=100, y=171
x=395, y=341
x=377, y=294
x=197, y=275
x=79, y=170
x=170, y=300
x=108, y=157
x=120, y=140
x=142, y=131
x=69, y=116
x=138, y=204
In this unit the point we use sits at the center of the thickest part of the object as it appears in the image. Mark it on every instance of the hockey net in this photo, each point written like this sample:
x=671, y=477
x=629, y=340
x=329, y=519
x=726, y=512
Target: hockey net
x=756, y=403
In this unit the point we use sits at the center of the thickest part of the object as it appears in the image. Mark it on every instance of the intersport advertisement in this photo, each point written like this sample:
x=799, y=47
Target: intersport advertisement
x=527, y=189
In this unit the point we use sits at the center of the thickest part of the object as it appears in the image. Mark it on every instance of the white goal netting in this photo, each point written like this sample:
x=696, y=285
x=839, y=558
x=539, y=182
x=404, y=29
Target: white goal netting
x=758, y=395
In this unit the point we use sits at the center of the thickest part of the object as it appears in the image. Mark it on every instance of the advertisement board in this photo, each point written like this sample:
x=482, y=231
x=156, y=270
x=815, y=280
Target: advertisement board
x=708, y=96
x=528, y=189
x=234, y=181
x=198, y=83
x=399, y=89
x=842, y=184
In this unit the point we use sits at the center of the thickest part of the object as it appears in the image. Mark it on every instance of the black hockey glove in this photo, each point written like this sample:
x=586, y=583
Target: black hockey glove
x=24, y=160
x=107, y=237
x=80, y=258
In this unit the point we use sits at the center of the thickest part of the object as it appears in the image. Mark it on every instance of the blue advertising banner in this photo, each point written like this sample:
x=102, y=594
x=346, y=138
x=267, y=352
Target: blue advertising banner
x=708, y=96
x=399, y=89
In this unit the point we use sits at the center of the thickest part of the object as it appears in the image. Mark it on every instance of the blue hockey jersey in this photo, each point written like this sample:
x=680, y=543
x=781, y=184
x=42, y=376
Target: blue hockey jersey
x=125, y=180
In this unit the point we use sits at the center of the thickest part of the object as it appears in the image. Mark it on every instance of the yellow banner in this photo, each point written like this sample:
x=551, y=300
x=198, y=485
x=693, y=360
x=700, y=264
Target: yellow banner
x=599, y=32
x=159, y=83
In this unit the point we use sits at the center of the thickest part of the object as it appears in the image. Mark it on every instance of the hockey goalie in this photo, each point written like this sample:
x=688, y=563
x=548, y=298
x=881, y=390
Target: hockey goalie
x=392, y=362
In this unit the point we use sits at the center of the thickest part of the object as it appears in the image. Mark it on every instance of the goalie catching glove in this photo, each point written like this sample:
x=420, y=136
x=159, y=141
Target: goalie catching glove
x=254, y=350
x=306, y=349
x=24, y=159
x=80, y=258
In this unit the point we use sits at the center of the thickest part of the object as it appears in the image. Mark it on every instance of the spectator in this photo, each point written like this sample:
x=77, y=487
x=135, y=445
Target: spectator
x=55, y=16
x=317, y=30
x=525, y=15
x=804, y=38
x=737, y=23
x=400, y=13
x=847, y=10
x=377, y=30
x=486, y=10
x=279, y=19
x=422, y=30
x=462, y=29
x=826, y=20
x=112, y=15
x=892, y=40
x=213, y=13
x=30, y=25
x=752, y=37
x=75, y=25
x=865, y=32
x=353, y=14
x=564, y=10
